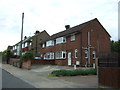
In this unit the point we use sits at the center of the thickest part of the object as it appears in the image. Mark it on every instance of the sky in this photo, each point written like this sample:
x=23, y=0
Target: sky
x=52, y=16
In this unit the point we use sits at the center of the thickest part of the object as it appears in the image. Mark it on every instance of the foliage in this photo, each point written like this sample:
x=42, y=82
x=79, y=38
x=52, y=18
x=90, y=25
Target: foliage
x=115, y=46
x=74, y=72
x=7, y=53
x=27, y=55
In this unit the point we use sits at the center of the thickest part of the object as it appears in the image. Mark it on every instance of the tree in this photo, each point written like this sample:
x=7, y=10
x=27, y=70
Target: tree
x=6, y=54
x=115, y=46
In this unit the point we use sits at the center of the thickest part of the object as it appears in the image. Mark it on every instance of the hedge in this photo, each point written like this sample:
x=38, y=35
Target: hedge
x=74, y=72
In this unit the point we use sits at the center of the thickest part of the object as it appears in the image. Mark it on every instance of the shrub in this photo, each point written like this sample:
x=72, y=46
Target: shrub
x=27, y=55
x=74, y=72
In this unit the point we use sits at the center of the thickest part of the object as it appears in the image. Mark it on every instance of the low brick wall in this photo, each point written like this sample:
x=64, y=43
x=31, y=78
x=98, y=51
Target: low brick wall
x=43, y=62
x=109, y=76
x=61, y=62
x=13, y=60
x=26, y=65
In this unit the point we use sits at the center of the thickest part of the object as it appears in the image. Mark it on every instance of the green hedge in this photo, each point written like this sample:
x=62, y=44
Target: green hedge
x=74, y=72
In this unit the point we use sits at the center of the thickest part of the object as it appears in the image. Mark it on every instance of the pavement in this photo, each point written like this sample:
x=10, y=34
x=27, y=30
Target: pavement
x=38, y=77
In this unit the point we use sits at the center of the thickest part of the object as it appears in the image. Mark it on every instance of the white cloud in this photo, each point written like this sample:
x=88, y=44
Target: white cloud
x=52, y=15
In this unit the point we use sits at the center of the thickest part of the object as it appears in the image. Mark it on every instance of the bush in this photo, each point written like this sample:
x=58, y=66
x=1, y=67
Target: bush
x=27, y=55
x=74, y=72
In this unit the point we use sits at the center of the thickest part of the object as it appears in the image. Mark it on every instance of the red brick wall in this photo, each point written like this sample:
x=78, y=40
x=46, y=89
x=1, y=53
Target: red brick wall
x=99, y=39
x=13, y=60
x=26, y=65
x=43, y=62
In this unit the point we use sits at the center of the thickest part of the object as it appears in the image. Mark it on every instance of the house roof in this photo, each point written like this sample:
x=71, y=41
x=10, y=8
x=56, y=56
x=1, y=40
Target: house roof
x=74, y=29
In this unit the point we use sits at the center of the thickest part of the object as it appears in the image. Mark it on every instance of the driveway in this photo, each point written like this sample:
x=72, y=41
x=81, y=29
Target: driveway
x=89, y=81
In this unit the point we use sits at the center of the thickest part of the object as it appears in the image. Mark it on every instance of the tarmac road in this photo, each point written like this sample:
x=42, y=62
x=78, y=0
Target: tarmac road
x=10, y=81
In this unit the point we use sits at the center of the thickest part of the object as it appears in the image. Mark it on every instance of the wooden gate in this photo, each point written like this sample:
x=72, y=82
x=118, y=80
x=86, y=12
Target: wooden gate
x=109, y=70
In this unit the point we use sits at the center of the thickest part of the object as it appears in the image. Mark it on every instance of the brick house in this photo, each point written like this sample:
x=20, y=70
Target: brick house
x=30, y=43
x=77, y=45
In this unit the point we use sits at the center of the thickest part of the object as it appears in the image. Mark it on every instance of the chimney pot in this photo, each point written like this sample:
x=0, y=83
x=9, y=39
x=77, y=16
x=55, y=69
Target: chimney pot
x=67, y=26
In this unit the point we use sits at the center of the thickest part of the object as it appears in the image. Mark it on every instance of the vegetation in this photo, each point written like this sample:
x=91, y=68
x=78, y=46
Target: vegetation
x=7, y=54
x=27, y=55
x=74, y=72
x=115, y=46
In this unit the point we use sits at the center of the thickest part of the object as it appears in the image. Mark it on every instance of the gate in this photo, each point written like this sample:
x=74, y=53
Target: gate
x=109, y=70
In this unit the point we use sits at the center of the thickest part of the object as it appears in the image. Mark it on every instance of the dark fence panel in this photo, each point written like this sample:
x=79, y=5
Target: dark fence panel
x=109, y=69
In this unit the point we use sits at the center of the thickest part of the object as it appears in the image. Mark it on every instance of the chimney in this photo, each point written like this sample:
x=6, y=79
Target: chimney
x=37, y=32
x=67, y=26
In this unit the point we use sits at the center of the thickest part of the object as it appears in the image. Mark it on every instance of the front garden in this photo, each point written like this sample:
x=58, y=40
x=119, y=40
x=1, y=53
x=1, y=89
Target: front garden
x=73, y=72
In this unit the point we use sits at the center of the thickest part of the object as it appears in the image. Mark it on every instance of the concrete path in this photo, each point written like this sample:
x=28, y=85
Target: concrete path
x=40, y=79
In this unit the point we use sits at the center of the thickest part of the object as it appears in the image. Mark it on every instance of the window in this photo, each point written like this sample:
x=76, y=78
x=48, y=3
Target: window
x=30, y=43
x=94, y=55
x=26, y=44
x=76, y=53
x=22, y=45
x=50, y=43
x=49, y=55
x=72, y=37
x=61, y=55
x=61, y=40
x=86, y=54
x=43, y=45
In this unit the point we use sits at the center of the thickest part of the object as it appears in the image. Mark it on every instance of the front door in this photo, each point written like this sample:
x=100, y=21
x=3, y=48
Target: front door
x=69, y=58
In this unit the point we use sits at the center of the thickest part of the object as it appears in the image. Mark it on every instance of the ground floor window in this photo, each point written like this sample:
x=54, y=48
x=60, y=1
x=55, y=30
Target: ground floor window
x=60, y=55
x=94, y=55
x=86, y=54
x=76, y=53
x=49, y=55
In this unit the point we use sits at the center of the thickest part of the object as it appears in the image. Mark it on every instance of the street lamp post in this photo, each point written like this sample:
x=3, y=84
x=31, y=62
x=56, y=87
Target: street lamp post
x=21, y=34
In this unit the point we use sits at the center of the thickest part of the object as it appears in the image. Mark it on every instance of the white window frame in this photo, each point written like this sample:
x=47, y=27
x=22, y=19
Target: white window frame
x=72, y=37
x=26, y=44
x=76, y=53
x=49, y=56
x=50, y=43
x=60, y=40
x=94, y=54
x=86, y=54
x=60, y=55
x=43, y=45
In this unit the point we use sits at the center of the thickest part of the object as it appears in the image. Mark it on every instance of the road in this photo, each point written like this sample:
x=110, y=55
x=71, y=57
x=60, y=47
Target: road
x=10, y=81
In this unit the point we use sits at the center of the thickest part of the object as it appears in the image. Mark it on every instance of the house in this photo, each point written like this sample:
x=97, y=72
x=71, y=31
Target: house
x=30, y=43
x=77, y=45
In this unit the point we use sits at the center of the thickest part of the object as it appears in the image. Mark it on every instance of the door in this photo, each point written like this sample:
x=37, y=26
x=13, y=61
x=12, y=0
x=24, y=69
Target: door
x=69, y=58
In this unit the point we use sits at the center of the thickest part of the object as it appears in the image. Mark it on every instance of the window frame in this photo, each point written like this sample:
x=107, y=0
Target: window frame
x=76, y=53
x=61, y=40
x=86, y=54
x=72, y=37
x=49, y=43
x=60, y=55
x=94, y=54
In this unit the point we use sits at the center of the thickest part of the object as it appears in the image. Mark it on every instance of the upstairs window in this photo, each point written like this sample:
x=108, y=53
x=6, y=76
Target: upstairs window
x=26, y=44
x=94, y=55
x=43, y=45
x=50, y=43
x=61, y=40
x=72, y=37
x=61, y=55
x=23, y=45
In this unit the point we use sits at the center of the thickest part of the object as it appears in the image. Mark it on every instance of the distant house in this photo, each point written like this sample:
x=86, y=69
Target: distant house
x=30, y=43
x=77, y=45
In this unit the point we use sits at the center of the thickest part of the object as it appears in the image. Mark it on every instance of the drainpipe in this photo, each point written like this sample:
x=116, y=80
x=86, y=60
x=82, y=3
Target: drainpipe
x=81, y=47
x=88, y=49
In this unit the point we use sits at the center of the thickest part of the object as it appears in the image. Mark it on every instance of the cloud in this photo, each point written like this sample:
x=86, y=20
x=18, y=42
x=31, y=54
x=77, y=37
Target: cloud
x=53, y=15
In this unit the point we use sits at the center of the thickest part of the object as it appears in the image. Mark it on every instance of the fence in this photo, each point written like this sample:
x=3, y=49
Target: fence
x=109, y=70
